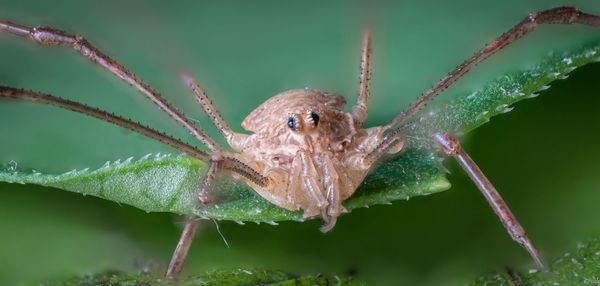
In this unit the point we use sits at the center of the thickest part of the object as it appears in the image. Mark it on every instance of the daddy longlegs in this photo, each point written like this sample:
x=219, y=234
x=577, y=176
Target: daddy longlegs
x=305, y=152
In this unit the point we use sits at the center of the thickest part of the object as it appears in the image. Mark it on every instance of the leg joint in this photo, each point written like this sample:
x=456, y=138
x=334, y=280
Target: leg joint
x=449, y=145
x=51, y=37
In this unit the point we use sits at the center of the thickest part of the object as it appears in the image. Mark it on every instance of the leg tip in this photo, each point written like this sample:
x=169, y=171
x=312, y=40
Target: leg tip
x=537, y=258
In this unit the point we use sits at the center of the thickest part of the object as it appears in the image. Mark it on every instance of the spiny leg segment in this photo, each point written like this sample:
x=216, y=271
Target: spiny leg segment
x=559, y=15
x=236, y=140
x=26, y=95
x=208, y=107
x=451, y=147
x=360, y=110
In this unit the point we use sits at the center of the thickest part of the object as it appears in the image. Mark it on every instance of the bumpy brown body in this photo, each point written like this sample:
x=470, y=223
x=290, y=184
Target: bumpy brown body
x=312, y=151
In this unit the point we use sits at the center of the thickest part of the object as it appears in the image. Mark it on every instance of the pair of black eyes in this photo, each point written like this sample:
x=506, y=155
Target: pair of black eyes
x=293, y=123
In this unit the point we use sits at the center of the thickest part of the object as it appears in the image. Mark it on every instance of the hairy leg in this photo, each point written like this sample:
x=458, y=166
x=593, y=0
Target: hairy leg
x=359, y=111
x=451, y=147
x=236, y=140
x=560, y=15
x=53, y=37
x=25, y=95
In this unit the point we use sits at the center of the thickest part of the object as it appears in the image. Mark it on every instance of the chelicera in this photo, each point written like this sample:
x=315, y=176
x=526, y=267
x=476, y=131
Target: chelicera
x=305, y=152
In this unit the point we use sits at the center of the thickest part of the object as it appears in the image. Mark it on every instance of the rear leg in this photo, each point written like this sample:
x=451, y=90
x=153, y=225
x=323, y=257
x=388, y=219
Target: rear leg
x=191, y=226
x=559, y=15
x=451, y=147
x=183, y=246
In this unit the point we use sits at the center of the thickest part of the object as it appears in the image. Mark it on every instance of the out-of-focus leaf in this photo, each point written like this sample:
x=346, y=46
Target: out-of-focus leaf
x=581, y=267
x=164, y=183
x=238, y=277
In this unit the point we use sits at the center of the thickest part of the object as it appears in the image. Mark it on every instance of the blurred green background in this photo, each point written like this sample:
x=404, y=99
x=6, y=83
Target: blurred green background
x=542, y=156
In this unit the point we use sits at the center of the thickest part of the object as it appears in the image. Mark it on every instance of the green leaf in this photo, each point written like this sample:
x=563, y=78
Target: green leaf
x=578, y=268
x=164, y=183
x=581, y=267
x=469, y=111
x=238, y=277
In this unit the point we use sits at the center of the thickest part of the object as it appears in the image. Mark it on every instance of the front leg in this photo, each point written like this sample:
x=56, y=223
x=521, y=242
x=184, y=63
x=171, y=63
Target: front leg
x=451, y=147
x=359, y=111
x=237, y=141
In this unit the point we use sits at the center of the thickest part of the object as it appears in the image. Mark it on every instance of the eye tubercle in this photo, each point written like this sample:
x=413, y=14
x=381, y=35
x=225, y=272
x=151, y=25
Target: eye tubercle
x=315, y=118
x=293, y=123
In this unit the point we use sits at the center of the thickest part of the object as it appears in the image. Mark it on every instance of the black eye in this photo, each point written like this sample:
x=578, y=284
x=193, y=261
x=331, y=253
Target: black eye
x=292, y=124
x=315, y=118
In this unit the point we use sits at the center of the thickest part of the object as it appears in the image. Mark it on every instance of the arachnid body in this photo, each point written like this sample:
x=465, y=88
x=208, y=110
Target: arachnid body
x=315, y=153
x=305, y=152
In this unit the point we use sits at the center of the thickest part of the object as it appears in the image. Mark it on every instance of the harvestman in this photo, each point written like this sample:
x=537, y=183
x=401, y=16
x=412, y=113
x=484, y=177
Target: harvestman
x=305, y=152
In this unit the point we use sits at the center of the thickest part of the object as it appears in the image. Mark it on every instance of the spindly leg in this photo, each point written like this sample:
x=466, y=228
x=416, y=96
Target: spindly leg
x=360, y=111
x=451, y=147
x=26, y=95
x=560, y=15
x=226, y=162
x=183, y=246
x=235, y=140
x=53, y=37
x=191, y=226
